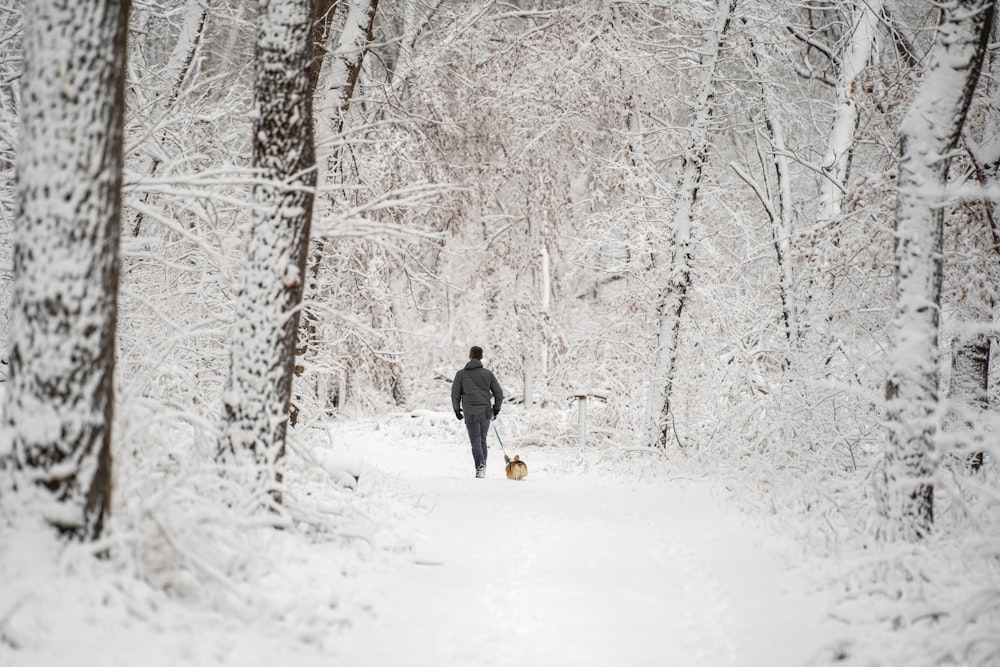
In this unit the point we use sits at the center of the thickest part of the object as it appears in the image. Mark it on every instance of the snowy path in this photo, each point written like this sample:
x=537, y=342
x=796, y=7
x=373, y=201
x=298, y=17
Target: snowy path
x=563, y=569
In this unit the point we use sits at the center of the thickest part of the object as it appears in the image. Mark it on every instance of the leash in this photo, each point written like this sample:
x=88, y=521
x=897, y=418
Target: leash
x=497, y=433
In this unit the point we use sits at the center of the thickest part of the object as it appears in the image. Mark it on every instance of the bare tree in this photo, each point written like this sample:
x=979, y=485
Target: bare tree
x=173, y=75
x=929, y=134
x=59, y=400
x=269, y=291
x=344, y=41
x=677, y=271
x=775, y=192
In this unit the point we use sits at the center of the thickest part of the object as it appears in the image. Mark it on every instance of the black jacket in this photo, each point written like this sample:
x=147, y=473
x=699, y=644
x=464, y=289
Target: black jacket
x=472, y=388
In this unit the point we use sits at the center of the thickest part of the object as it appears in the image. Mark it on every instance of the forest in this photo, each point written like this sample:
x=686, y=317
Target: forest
x=756, y=240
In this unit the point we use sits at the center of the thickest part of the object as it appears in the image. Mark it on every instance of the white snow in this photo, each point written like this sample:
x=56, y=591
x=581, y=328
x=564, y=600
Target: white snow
x=571, y=566
x=567, y=568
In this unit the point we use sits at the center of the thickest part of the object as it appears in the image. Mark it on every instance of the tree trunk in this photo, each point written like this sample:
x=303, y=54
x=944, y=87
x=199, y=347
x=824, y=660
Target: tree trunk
x=776, y=198
x=336, y=85
x=673, y=295
x=345, y=63
x=269, y=291
x=969, y=384
x=840, y=145
x=528, y=379
x=969, y=361
x=59, y=395
x=333, y=79
x=929, y=134
x=781, y=225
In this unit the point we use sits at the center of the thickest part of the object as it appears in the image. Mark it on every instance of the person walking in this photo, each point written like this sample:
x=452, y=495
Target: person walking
x=470, y=394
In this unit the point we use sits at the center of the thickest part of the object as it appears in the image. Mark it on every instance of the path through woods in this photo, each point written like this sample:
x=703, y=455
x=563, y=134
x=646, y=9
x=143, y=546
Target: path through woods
x=576, y=569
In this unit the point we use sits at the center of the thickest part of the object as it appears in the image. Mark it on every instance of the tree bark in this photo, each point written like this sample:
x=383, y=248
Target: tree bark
x=929, y=134
x=59, y=402
x=969, y=384
x=269, y=291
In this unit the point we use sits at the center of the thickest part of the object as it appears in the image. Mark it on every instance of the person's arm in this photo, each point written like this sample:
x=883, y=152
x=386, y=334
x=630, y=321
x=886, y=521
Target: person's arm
x=497, y=395
x=456, y=394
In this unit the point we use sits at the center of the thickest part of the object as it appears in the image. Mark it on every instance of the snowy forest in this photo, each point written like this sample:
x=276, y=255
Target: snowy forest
x=754, y=242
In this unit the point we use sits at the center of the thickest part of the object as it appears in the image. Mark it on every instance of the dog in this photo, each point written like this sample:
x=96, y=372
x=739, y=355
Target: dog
x=516, y=468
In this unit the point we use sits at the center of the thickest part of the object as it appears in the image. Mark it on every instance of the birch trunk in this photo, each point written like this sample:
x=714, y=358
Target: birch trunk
x=59, y=401
x=929, y=134
x=673, y=295
x=856, y=58
x=528, y=379
x=269, y=289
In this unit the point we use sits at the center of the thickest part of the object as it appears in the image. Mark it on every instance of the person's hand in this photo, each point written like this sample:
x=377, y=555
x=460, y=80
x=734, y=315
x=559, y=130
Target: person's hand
x=458, y=414
x=496, y=413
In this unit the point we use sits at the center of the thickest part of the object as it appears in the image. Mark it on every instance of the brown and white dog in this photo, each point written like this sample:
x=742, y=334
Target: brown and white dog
x=516, y=468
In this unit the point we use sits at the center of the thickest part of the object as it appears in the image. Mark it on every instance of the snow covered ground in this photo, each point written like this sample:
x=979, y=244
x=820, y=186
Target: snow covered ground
x=572, y=566
x=569, y=568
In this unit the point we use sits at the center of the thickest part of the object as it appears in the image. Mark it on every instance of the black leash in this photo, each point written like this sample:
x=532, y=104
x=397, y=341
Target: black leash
x=506, y=458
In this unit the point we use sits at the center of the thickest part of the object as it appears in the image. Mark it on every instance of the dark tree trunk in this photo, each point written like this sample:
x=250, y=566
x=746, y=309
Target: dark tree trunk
x=340, y=58
x=969, y=385
x=269, y=291
x=59, y=400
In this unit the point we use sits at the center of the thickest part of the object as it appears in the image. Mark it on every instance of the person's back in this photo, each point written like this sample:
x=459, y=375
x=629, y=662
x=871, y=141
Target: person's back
x=471, y=392
x=477, y=385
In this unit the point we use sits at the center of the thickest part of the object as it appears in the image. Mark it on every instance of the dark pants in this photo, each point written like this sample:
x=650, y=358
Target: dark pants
x=478, y=427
